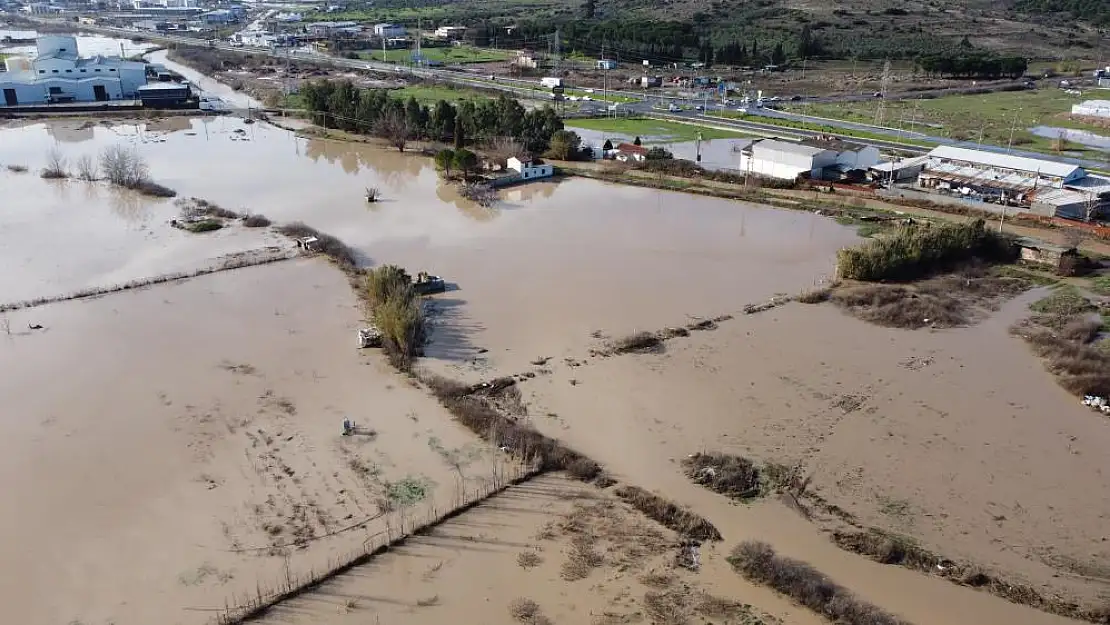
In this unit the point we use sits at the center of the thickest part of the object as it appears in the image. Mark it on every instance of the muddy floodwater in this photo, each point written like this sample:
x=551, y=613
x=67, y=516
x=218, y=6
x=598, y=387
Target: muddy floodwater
x=551, y=262
x=198, y=456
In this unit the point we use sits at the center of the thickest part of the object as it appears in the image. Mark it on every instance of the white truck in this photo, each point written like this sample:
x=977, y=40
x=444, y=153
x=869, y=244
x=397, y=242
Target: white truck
x=551, y=82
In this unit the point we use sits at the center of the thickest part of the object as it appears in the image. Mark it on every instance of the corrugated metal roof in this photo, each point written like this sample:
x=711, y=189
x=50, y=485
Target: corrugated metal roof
x=1004, y=161
x=905, y=163
x=788, y=147
x=1059, y=197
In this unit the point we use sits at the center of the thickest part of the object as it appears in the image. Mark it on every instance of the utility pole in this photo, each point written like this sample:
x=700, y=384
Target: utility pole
x=1013, y=126
x=880, y=111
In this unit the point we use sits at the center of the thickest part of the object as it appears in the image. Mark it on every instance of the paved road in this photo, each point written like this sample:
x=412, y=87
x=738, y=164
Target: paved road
x=529, y=89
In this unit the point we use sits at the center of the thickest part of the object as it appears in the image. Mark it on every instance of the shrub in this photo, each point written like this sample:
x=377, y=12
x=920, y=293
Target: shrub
x=917, y=250
x=55, y=165
x=17, y=169
x=256, y=221
x=328, y=245
x=669, y=514
x=205, y=225
x=470, y=405
x=1065, y=300
x=759, y=563
x=638, y=342
x=732, y=476
x=524, y=610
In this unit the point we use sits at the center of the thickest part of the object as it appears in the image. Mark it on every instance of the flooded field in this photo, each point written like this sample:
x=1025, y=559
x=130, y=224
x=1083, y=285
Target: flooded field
x=544, y=268
x=201, y=456
x=957, y=438
x=164, y=451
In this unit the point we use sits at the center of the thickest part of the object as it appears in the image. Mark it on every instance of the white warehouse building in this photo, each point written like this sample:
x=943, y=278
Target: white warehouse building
x=1092, y=108
x=785, y=160
x=57, y=75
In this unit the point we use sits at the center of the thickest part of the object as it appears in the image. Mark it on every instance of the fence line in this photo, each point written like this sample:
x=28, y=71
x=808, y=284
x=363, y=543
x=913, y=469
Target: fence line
x=248, y=608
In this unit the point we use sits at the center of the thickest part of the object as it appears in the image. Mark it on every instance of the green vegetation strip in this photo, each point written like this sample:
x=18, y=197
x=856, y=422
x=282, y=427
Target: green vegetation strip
x=651, y=130
x=915, y=251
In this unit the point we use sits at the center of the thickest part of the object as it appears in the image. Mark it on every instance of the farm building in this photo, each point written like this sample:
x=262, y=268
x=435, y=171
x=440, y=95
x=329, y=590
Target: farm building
x=387, y=31
x=786, y=160
x=1043, y=187
x=1092, y=108
x=57, y=74
x=529, y=170
x=630, y=152
x=898, y=171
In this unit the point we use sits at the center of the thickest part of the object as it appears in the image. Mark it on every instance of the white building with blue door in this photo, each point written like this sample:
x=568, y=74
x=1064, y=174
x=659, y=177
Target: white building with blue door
x=58, y=75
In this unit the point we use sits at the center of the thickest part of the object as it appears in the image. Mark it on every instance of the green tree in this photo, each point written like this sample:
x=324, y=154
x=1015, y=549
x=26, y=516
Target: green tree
x=778, y=55
x=445, y=158
x=459, y=133
x=589, y=9
x=659, y=154
x=608, y=145
x=416, y=117
x=442, y=121
x=637, y=141
x=565, y=145
x=465, y=161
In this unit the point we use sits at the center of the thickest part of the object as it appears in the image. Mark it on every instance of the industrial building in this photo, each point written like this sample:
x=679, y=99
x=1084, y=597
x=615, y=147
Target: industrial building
x=386, y=31
x=58, y=75
x=823, y=158
x=785, y=160
x=1092, y=108
x=1042, y=187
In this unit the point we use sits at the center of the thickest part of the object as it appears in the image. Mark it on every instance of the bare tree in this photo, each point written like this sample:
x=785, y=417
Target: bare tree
x=123, y=166
x=394, y=128
x=6, y=325
x=501, y=149
x=86, y=168
x=55, y=164
x=1091, y=207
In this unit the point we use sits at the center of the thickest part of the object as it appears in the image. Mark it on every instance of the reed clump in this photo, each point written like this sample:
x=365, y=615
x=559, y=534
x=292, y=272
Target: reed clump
x=918, y=250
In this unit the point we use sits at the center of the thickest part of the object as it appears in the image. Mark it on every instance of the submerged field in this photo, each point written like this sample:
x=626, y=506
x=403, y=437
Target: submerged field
x=198, y=455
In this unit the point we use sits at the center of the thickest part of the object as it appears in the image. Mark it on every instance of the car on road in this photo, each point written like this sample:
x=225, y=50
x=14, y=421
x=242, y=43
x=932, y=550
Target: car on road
x=878, y=94
x=699, y=108
x=795, y=98
x=673, y=108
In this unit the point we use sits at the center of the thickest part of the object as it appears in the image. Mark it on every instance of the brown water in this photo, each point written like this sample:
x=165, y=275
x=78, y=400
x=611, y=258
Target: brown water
x=541, y=269
x=100, y=466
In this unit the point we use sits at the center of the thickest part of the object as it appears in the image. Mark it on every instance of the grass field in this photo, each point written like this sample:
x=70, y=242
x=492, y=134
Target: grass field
x=426, y=94
x=787, y=123
x=446, y=55
x=964, y=117
x=654, y=128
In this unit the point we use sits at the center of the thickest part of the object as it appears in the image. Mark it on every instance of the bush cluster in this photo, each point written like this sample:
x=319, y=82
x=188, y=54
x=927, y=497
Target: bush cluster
x=916, y=250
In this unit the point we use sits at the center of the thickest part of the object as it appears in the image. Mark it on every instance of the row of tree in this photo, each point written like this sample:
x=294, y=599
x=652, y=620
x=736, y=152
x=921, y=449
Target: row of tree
x=973, y=65
x=343, y=106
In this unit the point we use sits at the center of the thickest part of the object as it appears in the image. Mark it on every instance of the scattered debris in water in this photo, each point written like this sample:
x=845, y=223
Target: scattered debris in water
x=1097, y=403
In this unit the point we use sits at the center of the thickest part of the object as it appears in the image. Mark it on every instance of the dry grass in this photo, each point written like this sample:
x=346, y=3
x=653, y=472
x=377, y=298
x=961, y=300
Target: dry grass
x=639, y=343
x=330, y=246
x=476, y=408
x=528, y=559
x=256, y=221
x=524, y=610
x=681, y=520
x=807, y=586
x=658, y=580
x=582, y=558
x=941, y=302
x=897, y=550
x=814, y=296
x=732, y=476
x=1063, y=334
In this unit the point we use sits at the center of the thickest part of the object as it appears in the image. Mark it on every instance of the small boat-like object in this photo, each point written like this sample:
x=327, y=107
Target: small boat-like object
x=427, y=284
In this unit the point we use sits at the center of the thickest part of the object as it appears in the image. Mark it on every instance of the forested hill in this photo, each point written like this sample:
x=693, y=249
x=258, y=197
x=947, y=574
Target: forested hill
x=1096, y=12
